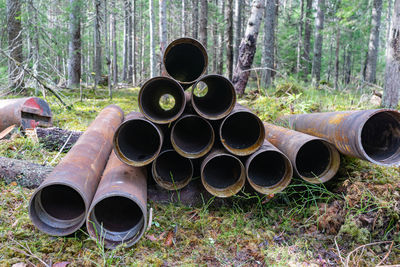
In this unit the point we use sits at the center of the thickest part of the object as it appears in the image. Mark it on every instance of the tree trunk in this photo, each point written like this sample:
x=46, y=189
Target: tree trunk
x=337, y=58
x=126, y=42
x=319, y=27
x=152, y=44
x=163, y=29
x=130, y=48
x=107, y=48
x=183, y=18
x=217, y=38
x=238, y=26
x=195, y=15
x=269, y=42
x=392, y=71
x=373, y=45
x=133, y=42
x=54, y=139
x=229, y=37
x=97, y=41
x=203, y=22
x=114, y=43
x=15, y=74
x=74, y=49
x=221, y=47
x=247, y=47
x=307, y=39
x=299, y=34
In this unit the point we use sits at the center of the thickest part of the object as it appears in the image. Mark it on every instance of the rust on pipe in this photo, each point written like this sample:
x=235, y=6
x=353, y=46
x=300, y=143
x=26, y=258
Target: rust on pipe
x=372, y=135
x=213, y=97
x=59, y=205
x=137, y=141
x=242, y=132
x=268, y=170
x=172, y=171
x=118, y=211
x=192, y=136
x=222, y=174
x=29, y=112
x=313, y=159
x=185, y=60
x=151, y=95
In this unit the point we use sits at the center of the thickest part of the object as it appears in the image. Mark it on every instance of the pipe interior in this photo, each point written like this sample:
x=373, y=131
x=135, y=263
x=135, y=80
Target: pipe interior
x=313, y=159
x=151, y=99
x=192, y=134
x=267, y=168
x=62, y=202
x=185, y=62
x=219, y=98
x=172, y=167
x=380, y=136
x=117, y=214
x=222, y=171
x=241, y=130
x=138, y=140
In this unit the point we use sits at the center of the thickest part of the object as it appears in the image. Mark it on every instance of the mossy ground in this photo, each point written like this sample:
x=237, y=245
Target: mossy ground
x=353, y=219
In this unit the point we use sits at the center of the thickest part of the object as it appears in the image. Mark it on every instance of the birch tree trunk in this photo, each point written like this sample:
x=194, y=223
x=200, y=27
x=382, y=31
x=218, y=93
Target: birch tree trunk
x=307, y=39
x=203, y=22
x=229, y=38
x=247, y=47
x=74, y=48
x=269, y=42
x=300, y=33
x=319, y=27
x=152, y=44
x=221, y=47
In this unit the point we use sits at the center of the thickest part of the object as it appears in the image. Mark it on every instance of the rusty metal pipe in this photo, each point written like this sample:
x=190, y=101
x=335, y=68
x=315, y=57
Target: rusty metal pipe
x=192, y=136
x=151, y=95
x=242, y=132
x=313, y=159
x=172, y=171
x=118, y=211
x=29, y=112
x=268, y=170
x=59, y=204
x=213, y=97
x=185, y=60
x=137, y=141
x=222, y=174
x=372, y=135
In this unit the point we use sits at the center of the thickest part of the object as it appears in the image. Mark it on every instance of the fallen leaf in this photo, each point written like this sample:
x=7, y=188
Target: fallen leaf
x=169, y=240
x=61, y=264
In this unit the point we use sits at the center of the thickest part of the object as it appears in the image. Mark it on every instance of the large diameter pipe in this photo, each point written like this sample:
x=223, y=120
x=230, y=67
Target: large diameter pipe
x=137, y=141
x=118, y=211
x=152, y=96
x=29, y=112
x=172, y=171
x=268, y=170
x=185, y=60
x=372, y=135
x=242, y=132
x=59, y=204
x=213, y=97
x=222, y=174
x=192, y=136
x=313, y=159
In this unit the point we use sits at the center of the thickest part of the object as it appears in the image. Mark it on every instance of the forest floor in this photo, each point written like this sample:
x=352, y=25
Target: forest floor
x=352, y=220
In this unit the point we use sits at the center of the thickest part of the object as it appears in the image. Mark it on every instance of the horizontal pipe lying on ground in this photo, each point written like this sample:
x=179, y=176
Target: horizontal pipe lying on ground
x=372, y=135
x=118, y=212
x=162, y=100
x=137, y=141
x=59, y=205
x=313, y=159
x=185, y=60
x=268, y=170
x=172, y=171
x=213, y=97
x=192, y=136
x=222, y=174
x=242, y=132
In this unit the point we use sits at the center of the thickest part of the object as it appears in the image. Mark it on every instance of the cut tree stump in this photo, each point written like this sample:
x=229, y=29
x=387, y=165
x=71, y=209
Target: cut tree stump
x=54, y=138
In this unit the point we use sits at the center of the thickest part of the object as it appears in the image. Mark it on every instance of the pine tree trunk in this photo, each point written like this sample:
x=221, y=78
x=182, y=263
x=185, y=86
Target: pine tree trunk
x=229, y=37
x=238, y=26
x=126, y=42
x=203, y=22
x=307, y=39
x=114, y=43
x=74, y=48
x=300, y=33
x=152, y=44
x=195, y=15
x=217, y=40
x=319, y=27
x=133, y=42
x=107, y=48
x=247, y=47
x=97, y=42
x=163, y=29
x=337, y=58
x=130, y=48
x=221, y=47
x=183, y=18
x=269, y=42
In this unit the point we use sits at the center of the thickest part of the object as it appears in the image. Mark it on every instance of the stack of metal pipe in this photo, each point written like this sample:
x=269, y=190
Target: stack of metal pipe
x=176, y=129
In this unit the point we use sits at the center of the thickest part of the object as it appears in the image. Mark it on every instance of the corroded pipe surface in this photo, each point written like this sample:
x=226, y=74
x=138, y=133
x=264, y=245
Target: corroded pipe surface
x=137, y=141
x=118, y=211
x=152, y=95
x=372, y=135
x=59, y=205
x=172, y=171
x=312, y=158
x=29, y=112
x=268, y=170
x=222, y=174
x=192, y=136
x=185, y=60
x=213, y=97
x=242, y=132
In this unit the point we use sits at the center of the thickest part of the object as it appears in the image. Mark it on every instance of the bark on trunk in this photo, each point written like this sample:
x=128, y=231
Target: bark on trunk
x=133, y=42
x=114, y=43
x=152, y=44
x=307, y=39
x=238, y=27
x=54, y=139
x=299, y=34
x=229, y=38
x=203, y=22
x=97, y=42
x=269, y=42
x=337, y=58
x=319, y=27
x=163, y=29
x=74, y=48
x=126, y=42
x=130, y=49
x=220, y=55
x=195, y=14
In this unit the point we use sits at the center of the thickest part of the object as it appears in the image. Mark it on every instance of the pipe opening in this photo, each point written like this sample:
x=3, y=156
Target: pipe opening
x=192, y=135
x=214, y=97
x=172, y=168
x=313, y=159
x=380, y=137
x=222, y=171
x=267, y=168
x=138, y=140
x=185, y=62
x=167, y=102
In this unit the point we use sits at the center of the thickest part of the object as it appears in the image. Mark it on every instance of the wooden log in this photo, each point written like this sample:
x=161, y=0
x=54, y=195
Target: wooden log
x=54, y=138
